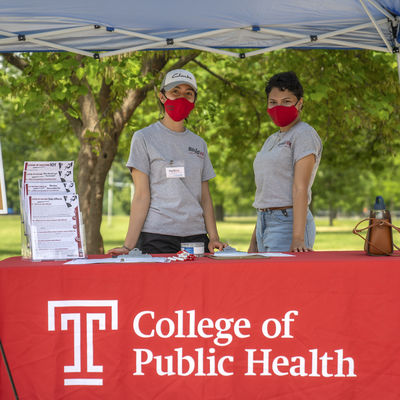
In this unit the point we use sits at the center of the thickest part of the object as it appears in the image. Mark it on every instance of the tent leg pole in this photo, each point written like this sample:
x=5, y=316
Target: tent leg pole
x=8, y=371
x=398, y=65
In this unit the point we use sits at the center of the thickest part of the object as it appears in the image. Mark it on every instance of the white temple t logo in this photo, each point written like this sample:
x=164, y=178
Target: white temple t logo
x=72, y=321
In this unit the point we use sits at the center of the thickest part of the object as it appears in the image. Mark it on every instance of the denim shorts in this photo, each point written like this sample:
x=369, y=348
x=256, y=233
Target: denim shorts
x=275, y=227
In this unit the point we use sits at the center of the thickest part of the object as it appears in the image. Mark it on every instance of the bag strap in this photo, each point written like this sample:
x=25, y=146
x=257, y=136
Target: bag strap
x=372, y=223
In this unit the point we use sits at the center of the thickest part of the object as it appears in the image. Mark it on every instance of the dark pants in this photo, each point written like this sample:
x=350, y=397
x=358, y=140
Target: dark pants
x=154, y=243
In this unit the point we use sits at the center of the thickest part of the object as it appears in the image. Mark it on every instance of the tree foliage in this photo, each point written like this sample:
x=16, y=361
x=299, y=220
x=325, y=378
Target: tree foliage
x=351, y=99
x=60, y=104
x=96, y=100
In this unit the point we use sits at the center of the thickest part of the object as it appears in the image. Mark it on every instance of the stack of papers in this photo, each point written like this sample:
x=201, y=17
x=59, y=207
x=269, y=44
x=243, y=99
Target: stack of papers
x=51, y=215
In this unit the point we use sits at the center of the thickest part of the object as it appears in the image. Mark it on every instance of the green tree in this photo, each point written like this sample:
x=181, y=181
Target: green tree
x=358, y=124
x=351, y=99
x=353, y=108
x=96, y=99
x=21, y=142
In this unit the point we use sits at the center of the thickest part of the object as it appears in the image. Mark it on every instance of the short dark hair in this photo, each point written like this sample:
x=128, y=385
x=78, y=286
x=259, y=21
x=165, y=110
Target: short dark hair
x=283, y=81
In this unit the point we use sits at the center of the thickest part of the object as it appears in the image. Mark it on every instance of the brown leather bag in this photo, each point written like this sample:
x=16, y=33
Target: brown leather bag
x=379, y=238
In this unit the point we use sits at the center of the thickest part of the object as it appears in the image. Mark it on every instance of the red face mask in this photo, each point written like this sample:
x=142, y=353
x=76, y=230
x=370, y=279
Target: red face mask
x=179, y=108
x=283, y=116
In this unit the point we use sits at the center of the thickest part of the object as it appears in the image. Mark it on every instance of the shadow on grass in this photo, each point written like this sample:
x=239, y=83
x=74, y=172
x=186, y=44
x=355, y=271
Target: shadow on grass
x=5, y=253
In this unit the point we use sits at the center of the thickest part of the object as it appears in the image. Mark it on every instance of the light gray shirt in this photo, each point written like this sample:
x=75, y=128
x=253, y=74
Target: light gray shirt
x=175, y=203
x=274, y=164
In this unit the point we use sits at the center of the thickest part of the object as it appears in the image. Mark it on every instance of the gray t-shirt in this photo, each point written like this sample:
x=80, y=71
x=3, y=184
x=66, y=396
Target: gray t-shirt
x=274, y=164
x=175, y=207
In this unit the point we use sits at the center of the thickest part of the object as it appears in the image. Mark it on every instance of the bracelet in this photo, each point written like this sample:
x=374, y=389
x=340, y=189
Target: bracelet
x=126, y=247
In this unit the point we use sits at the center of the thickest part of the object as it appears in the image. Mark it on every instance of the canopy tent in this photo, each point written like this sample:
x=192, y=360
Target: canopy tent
x=101, y=28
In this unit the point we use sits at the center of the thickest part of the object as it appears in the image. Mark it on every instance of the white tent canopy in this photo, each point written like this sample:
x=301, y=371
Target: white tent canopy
x=100, y=28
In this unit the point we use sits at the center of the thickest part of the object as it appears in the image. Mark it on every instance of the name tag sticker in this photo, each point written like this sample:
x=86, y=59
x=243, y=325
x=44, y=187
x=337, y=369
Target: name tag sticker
x=175, y=170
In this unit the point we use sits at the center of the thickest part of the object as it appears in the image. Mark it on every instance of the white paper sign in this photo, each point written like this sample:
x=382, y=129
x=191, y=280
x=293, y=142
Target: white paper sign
x=49, y=188
x=48, y=171
x=56, y=244
x=55, y=228
x=53, y=206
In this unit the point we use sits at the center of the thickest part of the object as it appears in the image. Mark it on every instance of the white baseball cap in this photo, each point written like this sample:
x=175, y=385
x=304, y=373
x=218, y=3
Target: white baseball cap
x=178, y=77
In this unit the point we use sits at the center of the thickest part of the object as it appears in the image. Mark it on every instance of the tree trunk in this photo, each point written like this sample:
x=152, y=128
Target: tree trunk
x=96, y=155
x=93, y=171
x=332, y=215
x=219, y=212
x=98, y=141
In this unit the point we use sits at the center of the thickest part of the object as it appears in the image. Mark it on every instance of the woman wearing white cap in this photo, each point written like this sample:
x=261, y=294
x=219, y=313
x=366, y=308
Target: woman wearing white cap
x=170, y=168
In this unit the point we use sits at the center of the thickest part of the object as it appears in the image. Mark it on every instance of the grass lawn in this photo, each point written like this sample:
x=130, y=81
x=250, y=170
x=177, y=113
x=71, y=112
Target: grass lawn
x=234, y=230
x=10, y=236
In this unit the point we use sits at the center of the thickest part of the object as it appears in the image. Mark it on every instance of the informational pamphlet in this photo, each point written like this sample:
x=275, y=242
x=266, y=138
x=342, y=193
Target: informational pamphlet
x=49, y=188
x=44, y=189
x=48, y=171
x=48, y=207
x=51, y=214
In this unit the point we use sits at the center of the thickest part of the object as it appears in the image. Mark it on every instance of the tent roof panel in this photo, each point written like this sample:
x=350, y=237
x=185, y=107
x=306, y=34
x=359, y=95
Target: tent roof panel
x=41, y=25
x=184, y=14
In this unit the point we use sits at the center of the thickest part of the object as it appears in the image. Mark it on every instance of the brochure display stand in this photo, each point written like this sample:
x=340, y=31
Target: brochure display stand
x=51, y=222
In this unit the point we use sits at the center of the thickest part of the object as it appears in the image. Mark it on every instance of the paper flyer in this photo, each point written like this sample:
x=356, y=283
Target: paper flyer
x=45, y=189
x=55, y=228
x=48, y=171
x=52, y=206
x=56, y=245
x=49, y=188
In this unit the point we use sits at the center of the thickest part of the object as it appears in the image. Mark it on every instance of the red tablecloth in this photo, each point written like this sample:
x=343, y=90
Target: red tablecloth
x=322, y=325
